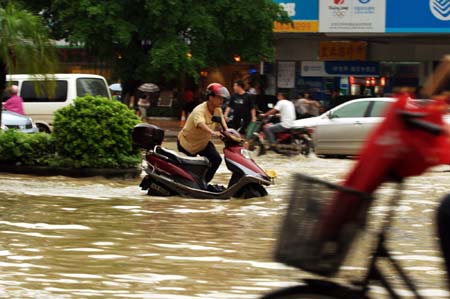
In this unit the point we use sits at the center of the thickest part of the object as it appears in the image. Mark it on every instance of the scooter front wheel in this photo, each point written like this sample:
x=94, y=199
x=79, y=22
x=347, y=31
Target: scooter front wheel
x=251, y=191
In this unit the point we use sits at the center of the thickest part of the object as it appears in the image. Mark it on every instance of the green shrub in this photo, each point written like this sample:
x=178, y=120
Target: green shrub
x=95, y=132
x=26, y=149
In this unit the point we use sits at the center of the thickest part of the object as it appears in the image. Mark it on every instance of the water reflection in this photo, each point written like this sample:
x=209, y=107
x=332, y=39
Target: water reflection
x=79, y=238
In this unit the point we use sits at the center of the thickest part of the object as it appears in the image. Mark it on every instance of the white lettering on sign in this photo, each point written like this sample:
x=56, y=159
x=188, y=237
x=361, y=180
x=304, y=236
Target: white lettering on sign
x=289, y=8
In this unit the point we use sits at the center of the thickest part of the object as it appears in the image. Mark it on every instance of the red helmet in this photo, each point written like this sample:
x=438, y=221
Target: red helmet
x=217, y=89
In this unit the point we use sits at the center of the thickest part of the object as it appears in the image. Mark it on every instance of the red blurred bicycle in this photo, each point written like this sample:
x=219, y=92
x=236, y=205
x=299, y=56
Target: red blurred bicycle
x=323, y=219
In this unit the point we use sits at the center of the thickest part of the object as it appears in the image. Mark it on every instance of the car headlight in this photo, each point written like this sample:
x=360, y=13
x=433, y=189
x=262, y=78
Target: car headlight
x=246, y=154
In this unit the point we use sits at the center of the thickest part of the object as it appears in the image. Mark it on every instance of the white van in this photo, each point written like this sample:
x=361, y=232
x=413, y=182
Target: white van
x=68, y=87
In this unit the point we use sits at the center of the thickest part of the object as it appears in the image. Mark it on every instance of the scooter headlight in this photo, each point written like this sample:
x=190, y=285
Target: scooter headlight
x=246, y=154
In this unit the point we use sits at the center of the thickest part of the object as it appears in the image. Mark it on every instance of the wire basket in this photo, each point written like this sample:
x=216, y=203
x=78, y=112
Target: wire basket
x=304, y=241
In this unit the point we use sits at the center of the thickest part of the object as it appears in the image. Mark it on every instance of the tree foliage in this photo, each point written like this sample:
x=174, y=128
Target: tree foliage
x=24, y=42
x=151, y=39
x=24, y=45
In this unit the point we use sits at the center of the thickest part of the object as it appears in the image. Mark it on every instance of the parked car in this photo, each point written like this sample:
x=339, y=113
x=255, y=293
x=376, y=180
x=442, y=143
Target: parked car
x=41, y=107
x=12, y=120
x=343, y=129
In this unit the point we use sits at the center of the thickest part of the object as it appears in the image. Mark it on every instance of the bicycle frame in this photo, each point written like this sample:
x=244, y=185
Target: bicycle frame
x=375, y=273
x=359, y=289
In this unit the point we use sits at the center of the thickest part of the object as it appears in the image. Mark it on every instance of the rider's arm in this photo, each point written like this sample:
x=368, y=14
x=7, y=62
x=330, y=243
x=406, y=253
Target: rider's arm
x=227, y=111
x=253, y=111
x=270, y=112
x=205, y=128
x=224, y=123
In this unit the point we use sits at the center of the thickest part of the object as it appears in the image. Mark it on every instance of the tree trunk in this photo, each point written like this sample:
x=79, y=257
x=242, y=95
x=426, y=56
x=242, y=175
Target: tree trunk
x=2, y=86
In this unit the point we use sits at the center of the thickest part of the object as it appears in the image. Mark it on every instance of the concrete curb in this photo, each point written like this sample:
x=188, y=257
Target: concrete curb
x=109, y=173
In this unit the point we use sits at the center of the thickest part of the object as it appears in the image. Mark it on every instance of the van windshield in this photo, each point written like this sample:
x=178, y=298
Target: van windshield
x=92, y=86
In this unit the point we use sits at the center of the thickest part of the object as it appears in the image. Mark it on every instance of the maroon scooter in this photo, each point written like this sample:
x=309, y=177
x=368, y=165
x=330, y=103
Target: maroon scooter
x=170, y=173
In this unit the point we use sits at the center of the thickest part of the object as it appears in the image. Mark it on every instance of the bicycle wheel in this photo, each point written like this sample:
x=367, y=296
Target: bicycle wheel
x=331, y=291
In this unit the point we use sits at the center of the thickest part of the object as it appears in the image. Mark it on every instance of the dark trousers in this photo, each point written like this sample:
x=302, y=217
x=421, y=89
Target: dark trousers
x=270, y=132
x=240, y=124
x=209, y=152
x=443, y=226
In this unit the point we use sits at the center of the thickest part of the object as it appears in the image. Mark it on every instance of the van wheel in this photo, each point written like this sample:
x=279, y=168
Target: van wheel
x=43, y=128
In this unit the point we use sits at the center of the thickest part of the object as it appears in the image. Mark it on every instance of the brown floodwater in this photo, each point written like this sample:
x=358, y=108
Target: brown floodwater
x=95, y=238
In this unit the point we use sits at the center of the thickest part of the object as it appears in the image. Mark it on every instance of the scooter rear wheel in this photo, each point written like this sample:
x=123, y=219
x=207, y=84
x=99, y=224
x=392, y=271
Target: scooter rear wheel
x=304, y=145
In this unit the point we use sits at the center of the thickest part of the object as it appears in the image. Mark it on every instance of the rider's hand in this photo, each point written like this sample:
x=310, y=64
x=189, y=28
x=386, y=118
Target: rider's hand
x=215, y=134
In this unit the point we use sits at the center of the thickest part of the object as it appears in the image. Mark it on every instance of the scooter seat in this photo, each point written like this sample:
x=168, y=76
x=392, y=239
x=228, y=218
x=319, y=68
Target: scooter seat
x=181, y=158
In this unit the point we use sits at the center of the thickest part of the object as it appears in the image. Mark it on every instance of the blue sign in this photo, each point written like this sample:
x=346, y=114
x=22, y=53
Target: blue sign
x=352, y=68
x=418, y=16
x=301, y=9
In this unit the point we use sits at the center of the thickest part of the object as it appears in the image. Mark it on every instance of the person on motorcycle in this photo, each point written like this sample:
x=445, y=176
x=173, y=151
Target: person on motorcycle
x=195, y=137
x=287, y=111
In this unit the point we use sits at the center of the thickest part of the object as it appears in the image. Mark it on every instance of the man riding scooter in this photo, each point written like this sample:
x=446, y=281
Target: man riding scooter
x=195, y=137
x=287, y=112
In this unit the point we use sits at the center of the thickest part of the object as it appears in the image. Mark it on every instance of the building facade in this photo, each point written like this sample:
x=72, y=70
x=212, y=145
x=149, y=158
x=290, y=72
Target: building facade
x=358, y=47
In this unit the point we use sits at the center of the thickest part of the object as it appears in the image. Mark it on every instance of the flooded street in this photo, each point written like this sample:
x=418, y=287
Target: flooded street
x=96, y=238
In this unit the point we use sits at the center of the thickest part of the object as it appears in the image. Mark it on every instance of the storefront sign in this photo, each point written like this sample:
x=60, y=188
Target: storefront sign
x=352, y=15
x=304, y=15
x=344, y=50
x=297, y=26
x=340, y=68
x=418, y=16
x=286, y=74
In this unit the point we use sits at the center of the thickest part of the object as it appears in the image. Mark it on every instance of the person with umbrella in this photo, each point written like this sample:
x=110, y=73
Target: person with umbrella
x=147, y=92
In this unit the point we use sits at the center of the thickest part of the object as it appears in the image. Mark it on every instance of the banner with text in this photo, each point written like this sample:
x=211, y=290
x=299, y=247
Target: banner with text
x=304, y=15
x=343, y=50
x=286, y=74
x=352, y=15
x=432, y=16
x=340, y=68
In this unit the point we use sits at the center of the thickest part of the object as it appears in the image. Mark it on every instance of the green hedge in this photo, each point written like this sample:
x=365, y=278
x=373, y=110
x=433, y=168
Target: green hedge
x=93, y=132
x=26, y=149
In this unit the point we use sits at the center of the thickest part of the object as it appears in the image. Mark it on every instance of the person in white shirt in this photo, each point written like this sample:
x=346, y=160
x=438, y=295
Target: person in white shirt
x=287, y=112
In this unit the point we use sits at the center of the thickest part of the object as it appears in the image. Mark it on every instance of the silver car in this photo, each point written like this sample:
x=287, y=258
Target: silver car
x=343, y=129
x=12, y=120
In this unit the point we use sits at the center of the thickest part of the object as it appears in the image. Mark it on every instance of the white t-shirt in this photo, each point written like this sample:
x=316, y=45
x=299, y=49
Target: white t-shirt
x=287, y=112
